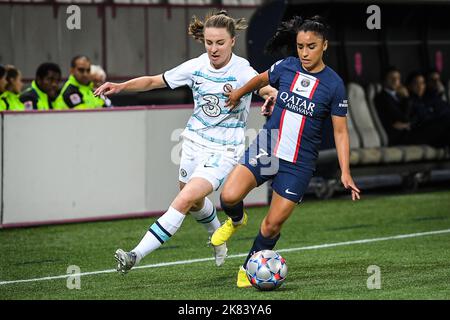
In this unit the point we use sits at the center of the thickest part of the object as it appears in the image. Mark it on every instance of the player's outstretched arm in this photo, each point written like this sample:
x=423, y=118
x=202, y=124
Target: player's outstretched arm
x=255, y=83
x=269, y=94
x=137, y=84
x=342, y=141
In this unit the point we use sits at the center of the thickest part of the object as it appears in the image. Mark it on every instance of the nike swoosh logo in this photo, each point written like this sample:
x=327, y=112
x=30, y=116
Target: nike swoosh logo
x=289, y=192
x=207, y=166
x=198, y=83
x=298, y=90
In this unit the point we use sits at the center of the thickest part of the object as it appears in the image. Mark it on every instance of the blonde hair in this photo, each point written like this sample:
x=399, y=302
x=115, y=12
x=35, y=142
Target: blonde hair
x=215, y=20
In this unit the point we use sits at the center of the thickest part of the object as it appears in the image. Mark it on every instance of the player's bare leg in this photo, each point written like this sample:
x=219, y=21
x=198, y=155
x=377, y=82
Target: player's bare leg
x=240, y=182
x=163, y=229
x=204, y=212
x=280, y=210
x=198, y=205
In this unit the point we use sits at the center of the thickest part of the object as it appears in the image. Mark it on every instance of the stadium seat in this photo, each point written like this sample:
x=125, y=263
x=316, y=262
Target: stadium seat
x=355, y=142
x=372, y=90
x=374, y=152
x=360, y=113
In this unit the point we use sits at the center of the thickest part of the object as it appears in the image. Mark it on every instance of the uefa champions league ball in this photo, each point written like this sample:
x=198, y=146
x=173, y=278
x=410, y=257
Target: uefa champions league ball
x=266, y=270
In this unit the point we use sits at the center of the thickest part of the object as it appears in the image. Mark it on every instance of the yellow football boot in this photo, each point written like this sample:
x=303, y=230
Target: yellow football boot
x=225, y=231
x=242, y=280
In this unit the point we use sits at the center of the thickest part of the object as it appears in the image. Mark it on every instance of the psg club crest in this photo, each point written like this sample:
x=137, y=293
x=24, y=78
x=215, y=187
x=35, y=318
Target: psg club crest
x=305, y=83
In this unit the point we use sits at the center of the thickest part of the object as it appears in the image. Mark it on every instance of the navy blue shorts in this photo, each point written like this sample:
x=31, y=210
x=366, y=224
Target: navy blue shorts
x=289, y=180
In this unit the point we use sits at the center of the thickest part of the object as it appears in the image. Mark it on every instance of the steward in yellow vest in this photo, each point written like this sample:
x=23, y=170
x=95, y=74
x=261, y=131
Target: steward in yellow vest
x=10, y=98
x=12, y=101
x=44, y=89
x=77, y=91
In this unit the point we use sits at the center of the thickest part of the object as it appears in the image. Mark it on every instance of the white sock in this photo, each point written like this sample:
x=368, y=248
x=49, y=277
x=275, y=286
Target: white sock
x=207, y=216
x=159, y=232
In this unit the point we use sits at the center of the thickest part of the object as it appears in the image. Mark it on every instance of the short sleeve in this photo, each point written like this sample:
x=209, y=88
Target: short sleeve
x=275, y=73
x=181, y=75
x=339, y=104
x=247, y=73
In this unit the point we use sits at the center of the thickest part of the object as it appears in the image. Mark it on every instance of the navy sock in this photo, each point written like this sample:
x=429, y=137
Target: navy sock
x=235, y=212
x=261, y=243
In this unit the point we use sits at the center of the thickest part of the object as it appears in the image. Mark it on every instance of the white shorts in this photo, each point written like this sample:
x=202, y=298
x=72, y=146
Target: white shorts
x=212, y=164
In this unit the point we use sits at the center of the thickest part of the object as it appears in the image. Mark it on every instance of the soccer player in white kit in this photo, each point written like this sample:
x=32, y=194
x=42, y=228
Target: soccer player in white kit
x=213, y=140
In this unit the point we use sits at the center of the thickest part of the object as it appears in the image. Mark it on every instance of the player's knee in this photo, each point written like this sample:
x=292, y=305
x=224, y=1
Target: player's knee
x=197, y=206
x=183, y=202
x=229, y=197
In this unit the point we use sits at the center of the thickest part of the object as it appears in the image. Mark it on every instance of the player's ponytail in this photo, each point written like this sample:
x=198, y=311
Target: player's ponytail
x=215, y=20
x=286, y=34
x=196, y=28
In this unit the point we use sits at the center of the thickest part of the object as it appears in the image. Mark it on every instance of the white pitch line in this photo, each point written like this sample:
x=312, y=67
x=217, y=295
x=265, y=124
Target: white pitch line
x=165, y=264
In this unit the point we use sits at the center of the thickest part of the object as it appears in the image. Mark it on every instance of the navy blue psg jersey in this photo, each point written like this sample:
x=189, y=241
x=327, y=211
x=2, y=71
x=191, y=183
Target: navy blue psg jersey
x=303, y=103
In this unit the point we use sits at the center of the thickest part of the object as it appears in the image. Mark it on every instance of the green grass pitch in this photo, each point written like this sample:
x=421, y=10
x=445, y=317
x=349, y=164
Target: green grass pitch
x=417, y=267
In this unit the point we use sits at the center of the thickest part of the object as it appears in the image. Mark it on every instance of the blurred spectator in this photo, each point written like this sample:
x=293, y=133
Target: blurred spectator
x=420, y=113
x=44, y=89
x=429, y=112
x=13, y=87
x=401, y=114
x=98, y=78
x=2, y=88
x=393, y=106
x=435, y=87
x=77, y=91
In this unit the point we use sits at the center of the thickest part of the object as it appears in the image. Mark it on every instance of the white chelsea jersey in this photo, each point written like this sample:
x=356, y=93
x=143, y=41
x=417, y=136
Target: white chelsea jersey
x=213, y=123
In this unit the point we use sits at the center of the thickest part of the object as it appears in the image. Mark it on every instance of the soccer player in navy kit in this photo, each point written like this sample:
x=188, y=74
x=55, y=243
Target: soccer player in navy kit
x=286, y=150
